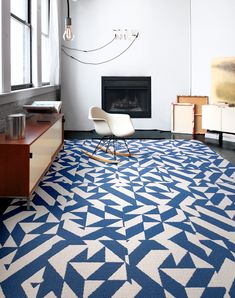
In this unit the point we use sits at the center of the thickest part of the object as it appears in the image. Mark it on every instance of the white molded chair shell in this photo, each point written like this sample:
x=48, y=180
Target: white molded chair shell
x=119, y=125
x=99, y=117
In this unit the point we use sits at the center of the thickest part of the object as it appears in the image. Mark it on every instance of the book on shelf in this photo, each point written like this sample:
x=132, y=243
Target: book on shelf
x=43, y=107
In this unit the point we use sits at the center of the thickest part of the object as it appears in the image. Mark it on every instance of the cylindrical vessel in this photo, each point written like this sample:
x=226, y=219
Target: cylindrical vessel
x=15, y=126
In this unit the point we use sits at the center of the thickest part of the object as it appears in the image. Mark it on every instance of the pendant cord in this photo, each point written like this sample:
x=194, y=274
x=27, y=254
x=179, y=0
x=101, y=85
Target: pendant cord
x=102, y=62
x=92, y=50
x=68, y=9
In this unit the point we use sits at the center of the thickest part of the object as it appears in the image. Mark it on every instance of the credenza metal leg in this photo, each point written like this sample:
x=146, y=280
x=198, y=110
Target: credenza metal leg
x=28, y=203
x=220, y=138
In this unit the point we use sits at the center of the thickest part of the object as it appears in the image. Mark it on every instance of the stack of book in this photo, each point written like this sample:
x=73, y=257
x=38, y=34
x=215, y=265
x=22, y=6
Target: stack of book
x=44, y=107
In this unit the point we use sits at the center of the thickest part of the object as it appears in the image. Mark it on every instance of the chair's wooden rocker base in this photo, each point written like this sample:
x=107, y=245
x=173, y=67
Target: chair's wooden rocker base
x=104, y=146
x=116, y=153
x=100, y=158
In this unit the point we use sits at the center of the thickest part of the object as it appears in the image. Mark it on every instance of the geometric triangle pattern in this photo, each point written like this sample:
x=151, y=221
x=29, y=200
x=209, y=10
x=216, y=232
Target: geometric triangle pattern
x=157, y=224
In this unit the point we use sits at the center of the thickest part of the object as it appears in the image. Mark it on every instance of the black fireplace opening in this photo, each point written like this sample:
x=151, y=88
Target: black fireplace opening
x=127, y=95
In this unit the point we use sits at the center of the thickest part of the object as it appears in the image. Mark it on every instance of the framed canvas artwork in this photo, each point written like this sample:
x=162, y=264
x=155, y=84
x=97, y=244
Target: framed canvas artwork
x=223, y=80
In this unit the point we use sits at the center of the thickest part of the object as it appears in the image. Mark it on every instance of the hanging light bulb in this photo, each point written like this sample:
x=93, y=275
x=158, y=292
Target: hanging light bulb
x=68, y=34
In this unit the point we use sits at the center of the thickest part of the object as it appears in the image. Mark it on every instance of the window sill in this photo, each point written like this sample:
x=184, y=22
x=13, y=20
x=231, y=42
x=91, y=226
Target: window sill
x=16, y=95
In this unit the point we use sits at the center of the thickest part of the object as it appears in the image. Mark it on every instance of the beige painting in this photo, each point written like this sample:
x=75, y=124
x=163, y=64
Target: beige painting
x=223, y=80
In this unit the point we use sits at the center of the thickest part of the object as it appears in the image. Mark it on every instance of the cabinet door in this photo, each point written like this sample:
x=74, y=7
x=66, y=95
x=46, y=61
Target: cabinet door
x=211, y=117
x=42, y=152
x=228, y=119
x=14, y=170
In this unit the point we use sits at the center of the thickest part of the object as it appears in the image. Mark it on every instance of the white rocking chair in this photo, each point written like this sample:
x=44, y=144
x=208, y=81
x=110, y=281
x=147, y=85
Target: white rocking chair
x=111, y=128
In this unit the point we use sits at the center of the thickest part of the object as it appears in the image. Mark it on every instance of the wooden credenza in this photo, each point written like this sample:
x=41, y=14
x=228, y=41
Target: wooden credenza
x=24, y=162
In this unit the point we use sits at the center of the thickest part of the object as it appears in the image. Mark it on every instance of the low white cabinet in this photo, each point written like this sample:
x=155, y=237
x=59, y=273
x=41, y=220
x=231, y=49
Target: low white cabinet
x=228, y=119
x=211, y=117
x=219, y=118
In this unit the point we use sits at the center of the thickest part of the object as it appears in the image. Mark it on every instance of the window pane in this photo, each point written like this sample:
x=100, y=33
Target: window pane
x=44, y=16
x=20, y=9
x=45, y=59
x=45, y=40
x=20, y=53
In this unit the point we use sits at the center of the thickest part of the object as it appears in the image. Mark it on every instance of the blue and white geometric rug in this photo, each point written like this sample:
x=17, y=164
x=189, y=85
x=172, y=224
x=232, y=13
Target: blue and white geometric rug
x=160, y=224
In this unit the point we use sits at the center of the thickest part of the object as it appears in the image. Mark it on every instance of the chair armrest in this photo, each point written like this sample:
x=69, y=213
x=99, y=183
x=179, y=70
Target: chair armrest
x=97, y=119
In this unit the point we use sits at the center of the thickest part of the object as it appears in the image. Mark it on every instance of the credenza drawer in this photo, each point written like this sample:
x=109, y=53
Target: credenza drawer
x=42, y=152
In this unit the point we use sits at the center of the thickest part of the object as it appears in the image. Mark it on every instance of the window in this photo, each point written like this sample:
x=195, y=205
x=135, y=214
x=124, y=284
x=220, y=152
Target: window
x=20, y=44
x=45, y=41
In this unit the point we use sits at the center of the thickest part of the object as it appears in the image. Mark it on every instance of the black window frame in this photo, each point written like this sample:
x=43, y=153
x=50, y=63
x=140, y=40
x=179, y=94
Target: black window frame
x=28, y=24
x=47, y=36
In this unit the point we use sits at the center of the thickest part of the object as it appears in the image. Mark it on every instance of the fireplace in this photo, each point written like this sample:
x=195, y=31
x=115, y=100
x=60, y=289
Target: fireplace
x=127, y=95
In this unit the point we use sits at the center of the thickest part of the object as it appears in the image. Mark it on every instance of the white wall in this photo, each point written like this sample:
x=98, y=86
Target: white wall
x=213, y=35
x=161, y=51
